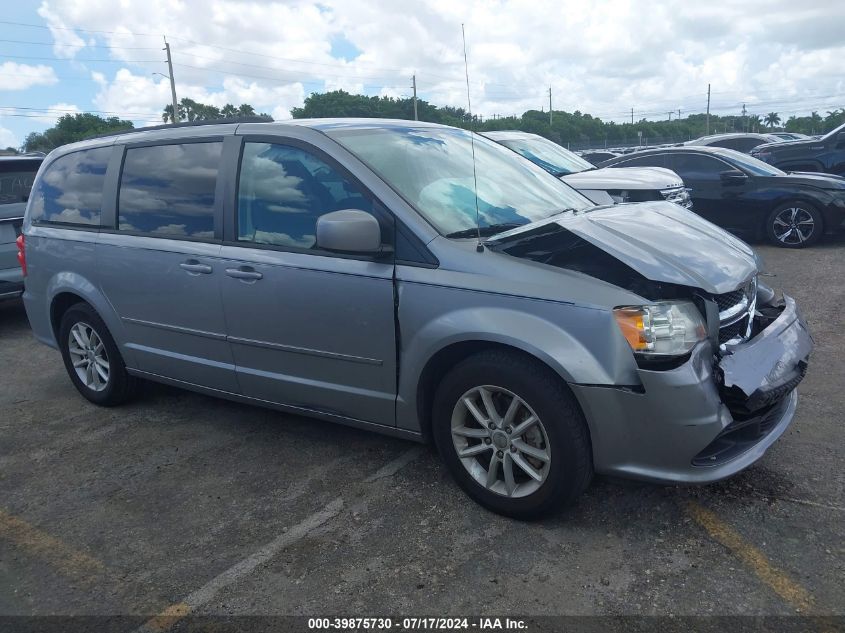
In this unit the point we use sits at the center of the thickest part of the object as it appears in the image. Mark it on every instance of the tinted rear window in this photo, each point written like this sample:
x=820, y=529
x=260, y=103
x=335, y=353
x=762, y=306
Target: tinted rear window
x=168, y=190
x=71, y=189
x=16, y=178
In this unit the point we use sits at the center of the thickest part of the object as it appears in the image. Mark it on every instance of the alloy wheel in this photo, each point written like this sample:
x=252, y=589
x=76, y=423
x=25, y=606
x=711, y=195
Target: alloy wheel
x=88, y=356
x=793, y=225
x=501, y=441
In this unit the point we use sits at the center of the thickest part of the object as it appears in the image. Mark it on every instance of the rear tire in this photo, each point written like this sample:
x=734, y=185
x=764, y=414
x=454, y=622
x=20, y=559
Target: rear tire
x=794, y=224
x=92, y=359
x=556, y=447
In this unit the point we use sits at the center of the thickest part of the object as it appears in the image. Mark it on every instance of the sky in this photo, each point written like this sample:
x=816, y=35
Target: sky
x=603, y=57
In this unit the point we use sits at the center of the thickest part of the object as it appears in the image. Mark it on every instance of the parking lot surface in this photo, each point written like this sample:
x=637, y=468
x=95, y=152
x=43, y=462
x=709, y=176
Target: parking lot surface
x=180, y=503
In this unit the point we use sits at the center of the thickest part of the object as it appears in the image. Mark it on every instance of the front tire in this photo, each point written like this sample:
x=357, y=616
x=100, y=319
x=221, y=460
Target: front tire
x=794, y=225
x=512, y=434
x=92, y=359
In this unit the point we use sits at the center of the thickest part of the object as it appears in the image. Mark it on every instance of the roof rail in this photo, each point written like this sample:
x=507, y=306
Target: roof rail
x=170, y=126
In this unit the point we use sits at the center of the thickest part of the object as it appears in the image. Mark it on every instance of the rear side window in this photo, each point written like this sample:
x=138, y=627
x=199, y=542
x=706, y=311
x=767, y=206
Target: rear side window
x=71, y=189
x=650, y=160
x=694, y=166
x=168, y=190
x=283, y=190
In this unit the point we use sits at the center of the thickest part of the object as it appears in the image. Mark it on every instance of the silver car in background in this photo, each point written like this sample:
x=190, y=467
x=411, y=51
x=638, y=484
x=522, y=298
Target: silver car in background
x=419, y=281
x=17, y=174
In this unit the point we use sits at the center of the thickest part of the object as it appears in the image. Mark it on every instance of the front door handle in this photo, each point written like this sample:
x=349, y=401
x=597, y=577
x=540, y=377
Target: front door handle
x=247, y=273
x=196, y=268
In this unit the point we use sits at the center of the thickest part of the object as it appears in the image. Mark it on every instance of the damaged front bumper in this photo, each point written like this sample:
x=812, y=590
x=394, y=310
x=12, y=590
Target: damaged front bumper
x=709, y=418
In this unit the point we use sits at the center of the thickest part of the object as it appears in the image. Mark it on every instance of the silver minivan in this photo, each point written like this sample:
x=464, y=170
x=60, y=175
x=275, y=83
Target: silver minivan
x=419, y=281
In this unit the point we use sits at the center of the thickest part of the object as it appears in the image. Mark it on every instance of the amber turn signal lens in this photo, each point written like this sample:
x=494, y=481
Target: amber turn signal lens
x=632, y=323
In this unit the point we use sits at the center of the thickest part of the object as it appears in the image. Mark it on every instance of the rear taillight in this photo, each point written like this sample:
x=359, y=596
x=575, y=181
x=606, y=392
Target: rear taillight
x=21, y=242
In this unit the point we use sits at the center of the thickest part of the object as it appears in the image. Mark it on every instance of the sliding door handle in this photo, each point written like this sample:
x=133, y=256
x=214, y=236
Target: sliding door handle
x=195, y=268
x=246, y=273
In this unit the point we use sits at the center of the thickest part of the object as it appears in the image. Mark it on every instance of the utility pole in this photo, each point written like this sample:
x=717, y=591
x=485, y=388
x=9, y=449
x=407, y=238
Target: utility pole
x=550, y=106
x=172, y=82
x=632, y=116
x=679, y=113
x=708, y=110
x=670, y=115
x=414, y=86
x=744, y=121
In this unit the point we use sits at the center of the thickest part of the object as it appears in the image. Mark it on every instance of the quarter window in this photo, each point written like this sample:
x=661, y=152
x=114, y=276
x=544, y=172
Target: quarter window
x=282, y=192
x=168, y=190
x=71, y=189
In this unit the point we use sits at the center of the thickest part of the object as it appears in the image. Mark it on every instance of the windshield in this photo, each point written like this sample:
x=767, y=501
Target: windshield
x=750, y=164
x=834, y=132
x=548, y=155
x=432, y=168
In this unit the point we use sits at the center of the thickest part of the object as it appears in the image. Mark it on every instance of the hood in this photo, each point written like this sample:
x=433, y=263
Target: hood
x=804, y=143
x=647, y=178
x=818, y=179
x=660, y=241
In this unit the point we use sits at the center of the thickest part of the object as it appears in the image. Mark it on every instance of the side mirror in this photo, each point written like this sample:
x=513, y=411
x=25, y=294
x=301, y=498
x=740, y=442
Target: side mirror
x=732, y=177
x=349, y=231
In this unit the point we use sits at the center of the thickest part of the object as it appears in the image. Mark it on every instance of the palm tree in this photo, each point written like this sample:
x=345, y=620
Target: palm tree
x=246, y=110
x=754, y=122
x=229, y=111
x=772, y=119
x=167, y=115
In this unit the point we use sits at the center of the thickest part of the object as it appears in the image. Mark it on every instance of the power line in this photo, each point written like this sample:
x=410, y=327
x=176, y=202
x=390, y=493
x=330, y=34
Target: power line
x=77, y=59
x=86, y=45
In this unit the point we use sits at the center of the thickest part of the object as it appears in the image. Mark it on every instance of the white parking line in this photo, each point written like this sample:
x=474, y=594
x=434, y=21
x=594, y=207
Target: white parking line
x=205, y=594
x=393, y=467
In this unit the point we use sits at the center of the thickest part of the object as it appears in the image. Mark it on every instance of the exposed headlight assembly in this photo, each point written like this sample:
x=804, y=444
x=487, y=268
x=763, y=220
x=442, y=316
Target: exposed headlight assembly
x=662, y=329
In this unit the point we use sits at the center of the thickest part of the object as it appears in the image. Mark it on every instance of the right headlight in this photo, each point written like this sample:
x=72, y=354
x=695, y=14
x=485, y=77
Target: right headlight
x=661, y=329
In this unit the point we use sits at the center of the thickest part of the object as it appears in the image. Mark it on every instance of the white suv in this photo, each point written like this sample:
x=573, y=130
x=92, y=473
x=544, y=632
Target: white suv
x=602, y=186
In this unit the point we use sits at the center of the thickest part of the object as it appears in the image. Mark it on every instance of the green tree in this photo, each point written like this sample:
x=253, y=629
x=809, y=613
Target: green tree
x=246, y=110
x=71, y=128
x=772, y=119
x=190, y=110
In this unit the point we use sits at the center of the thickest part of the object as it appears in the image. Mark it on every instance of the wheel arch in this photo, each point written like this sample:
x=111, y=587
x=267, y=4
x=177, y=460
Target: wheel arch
x=66, y=289
x=456, y=352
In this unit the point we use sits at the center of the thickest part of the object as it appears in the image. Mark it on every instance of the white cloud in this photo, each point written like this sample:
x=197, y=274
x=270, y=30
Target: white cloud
x=67, y=42
x=23, y=76
x=8, y=139
x=601, y=58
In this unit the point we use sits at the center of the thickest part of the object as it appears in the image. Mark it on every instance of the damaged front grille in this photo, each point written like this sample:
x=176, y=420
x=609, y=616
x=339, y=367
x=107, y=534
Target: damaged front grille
x=729, y=299
x=736, y=312
x=735, y=330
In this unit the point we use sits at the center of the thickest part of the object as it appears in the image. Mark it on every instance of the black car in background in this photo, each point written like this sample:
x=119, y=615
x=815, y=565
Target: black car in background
x=825, y=154
x=741, y=142
x=749, y=197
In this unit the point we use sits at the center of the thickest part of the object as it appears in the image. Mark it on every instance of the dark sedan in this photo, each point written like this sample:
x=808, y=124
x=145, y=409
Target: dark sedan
x=825, y=154
x=749, y=197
